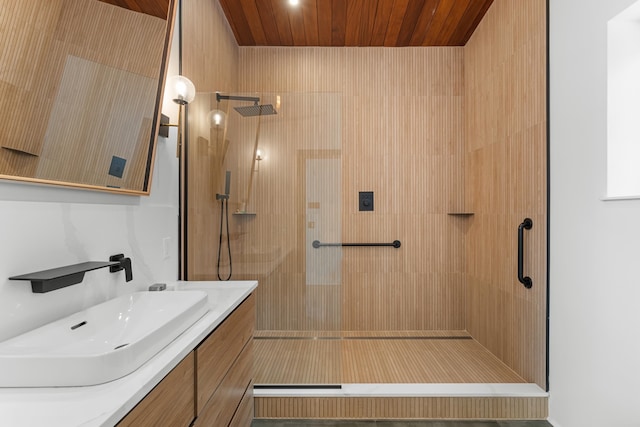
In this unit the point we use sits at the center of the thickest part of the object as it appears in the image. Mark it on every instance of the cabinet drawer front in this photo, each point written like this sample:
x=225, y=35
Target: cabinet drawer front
x=244, y=415
x=170, y=403
x=219, y=410
x=217, y=353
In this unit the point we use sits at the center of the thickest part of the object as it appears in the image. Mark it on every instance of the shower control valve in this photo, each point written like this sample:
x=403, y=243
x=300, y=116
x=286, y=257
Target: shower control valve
x=365, y=201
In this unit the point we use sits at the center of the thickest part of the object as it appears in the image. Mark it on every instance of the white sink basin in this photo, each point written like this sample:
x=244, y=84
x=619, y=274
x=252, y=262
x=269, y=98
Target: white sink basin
x=100, y=344
x=220, y=293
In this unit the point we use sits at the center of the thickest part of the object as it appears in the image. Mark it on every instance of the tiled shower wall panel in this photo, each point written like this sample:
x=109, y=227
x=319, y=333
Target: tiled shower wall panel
x=506, y=172
x=402, y=137
x=210, y=60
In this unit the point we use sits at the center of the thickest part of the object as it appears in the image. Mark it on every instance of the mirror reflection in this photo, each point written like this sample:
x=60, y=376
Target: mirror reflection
x=80, y=86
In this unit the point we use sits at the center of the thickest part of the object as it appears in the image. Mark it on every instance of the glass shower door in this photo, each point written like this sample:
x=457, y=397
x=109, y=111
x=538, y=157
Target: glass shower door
x=297, y=200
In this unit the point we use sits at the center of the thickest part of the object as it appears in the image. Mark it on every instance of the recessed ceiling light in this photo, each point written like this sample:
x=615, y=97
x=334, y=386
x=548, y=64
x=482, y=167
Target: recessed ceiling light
x=294, y=2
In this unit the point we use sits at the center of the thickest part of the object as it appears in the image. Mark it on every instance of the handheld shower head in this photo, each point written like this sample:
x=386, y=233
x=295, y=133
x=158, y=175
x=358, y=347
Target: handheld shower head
x=227, y=187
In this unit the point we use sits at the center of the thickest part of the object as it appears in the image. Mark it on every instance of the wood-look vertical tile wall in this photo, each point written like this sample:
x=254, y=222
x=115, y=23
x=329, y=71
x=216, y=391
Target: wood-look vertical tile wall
x=505, y=93
x=402, y=137
x=210, y=61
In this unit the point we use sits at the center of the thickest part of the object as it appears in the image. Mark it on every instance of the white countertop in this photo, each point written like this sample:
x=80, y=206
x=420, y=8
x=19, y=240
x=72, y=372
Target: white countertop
x=106, y=404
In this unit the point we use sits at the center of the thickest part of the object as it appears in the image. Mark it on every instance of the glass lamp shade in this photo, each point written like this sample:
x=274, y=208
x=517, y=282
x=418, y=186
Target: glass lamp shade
x=217, y=118
x=180, y=89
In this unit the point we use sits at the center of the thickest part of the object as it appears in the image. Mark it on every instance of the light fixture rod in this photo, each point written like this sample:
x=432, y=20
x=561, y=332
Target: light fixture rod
x=220, y=97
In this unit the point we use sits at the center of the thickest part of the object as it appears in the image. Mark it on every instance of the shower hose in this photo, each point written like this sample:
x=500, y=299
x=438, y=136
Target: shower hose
x=224, y=211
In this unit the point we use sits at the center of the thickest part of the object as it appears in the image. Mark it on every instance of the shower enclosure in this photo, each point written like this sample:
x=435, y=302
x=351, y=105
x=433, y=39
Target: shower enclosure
x=451, y=141
x=329, y=315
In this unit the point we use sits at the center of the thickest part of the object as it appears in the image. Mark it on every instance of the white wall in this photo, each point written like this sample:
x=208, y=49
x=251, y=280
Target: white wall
x=595, y=245
x=44, y=227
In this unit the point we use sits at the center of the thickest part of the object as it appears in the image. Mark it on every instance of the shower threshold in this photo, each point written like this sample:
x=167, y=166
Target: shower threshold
x=400, y=390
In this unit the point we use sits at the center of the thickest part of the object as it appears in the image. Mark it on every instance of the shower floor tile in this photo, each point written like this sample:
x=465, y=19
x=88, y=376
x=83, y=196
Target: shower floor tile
x=375, y=358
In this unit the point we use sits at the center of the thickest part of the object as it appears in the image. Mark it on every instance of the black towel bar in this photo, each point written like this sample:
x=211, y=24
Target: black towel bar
x=317, y=244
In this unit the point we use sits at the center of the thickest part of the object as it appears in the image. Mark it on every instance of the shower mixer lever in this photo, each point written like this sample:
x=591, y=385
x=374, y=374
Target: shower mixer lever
x=222, y=196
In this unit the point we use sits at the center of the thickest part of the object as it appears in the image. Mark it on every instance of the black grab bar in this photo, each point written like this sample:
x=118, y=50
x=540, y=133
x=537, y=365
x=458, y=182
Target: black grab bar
x=526, y=225
x=316, y=244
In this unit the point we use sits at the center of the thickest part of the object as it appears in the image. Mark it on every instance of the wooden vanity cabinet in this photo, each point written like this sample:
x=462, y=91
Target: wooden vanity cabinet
x=212, y=385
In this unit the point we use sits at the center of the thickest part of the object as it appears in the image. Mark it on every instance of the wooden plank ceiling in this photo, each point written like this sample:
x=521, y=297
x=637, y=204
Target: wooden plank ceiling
x=391, y=23
x=158, y=8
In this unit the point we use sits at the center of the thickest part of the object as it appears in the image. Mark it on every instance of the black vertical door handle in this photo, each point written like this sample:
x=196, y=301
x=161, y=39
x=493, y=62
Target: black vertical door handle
x=526, y=225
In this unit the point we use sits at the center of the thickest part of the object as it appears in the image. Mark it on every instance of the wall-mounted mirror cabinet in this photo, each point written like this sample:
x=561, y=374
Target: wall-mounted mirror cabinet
x=80, y=91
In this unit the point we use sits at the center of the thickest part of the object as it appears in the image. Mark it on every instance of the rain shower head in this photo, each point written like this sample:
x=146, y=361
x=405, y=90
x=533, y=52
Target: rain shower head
x=252, y=111
x=256, y=110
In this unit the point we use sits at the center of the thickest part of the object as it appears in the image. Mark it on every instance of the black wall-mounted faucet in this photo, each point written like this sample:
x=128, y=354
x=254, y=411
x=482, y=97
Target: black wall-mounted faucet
x=125, y=264
x=61, y=277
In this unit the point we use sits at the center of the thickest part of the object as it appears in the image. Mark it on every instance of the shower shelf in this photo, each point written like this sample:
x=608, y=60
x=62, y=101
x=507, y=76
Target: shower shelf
x=245, y=213
x=460, y=213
